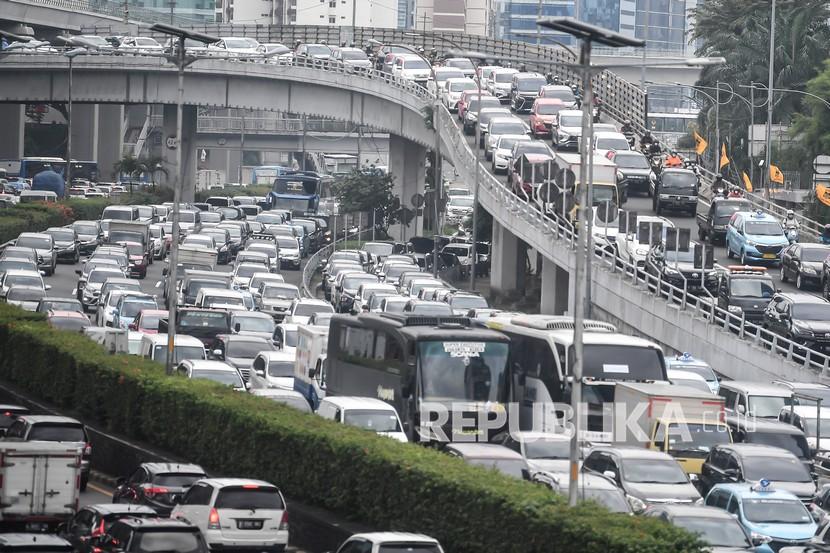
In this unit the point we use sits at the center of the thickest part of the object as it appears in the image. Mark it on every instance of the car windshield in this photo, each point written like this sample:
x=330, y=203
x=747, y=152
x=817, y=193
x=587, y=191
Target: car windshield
x=507, y=127
x=504, y=77
x=506, y=143
x=353, y=55
x=701, y=437
x=61, y=305
x=155, y=232
x=353, y=282
x=85, y=228
x=318, y=50
x=211, y=301
x=16, y=264
x=634, y=161
x=564, y=94
x=678, y=180
x=719, y=532
x=69, y=323
x=374, y=420
x=57, y=433
x=97, y=277
x=777, y=469
x=725, y=209
x=461, y=201
x=508, y=467
x=377, y=248
x=570, y=121
x=35, y=242
x=287, y=243
x=680, y=256
x=281, y=292
x=654, y=471
x=250, y=497
x=613, y=500
x=432, y=308
x=814, y=425
x=394, y=305
x=811, y=311
x=764, y=228
x=194, y=286
x=23, y=280
x=247, y=271
x=546, y=448
x=210, y=217
x=468, y=302
x=485, y=102
x=612, y=144
x=180, y=353
x=202, y=319
x=750, y=288
x=465, y=371
x=187, y=216
x=776, y=511
x=151, y=321
x=460, y=63
x=548, y=108
x=767, y=406
x=531, y=85
x=395, y=270
x=460, y=86
x=17, y=293
x=228, y=378
x=459, y=251
x=241, y=43
x=814, y=254
x=247, y=349
x=62, y=235
x=290, y=337
x=132, y=308
x=415, y=64
x=309, y=309
x=146, y=42
x=530, y=147
x=795, y=443
x=281, y=368
x=175, y=480
x=255, y=324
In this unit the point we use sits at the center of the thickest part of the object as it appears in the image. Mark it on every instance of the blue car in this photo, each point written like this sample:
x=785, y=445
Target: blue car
x=755, y=236
x=128, y=308
x=686, y=362
x=776, y=518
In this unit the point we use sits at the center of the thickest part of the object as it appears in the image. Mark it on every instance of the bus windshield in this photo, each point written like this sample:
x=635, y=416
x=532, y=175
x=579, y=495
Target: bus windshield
x=462, y=371
x=292, y=204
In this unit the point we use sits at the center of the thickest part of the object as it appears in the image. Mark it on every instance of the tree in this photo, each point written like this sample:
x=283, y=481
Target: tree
x=813, y=126
x=136, y=166
x=367, y=190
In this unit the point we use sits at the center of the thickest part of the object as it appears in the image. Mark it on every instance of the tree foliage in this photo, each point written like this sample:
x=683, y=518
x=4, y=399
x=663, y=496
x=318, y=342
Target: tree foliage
x=813, y=125
x=365, y=190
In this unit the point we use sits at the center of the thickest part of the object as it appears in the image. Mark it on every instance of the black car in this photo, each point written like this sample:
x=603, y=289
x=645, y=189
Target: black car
x=713, y=217
x=674, y=189
x=49, y=428
x=9, y=414
x=91, y=523
x=745, y=291
x=801, y=318
x=633, y=173
x=67, y=245
x=804, y=263
x=678, y=269
x=138, y=535
x=157, y=485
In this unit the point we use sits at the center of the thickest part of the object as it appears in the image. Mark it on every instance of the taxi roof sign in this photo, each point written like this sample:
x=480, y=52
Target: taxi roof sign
x=746, y=269
x=763, y=485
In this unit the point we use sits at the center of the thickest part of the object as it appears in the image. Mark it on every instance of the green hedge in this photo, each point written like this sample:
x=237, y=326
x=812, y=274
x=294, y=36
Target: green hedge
x=368, y=478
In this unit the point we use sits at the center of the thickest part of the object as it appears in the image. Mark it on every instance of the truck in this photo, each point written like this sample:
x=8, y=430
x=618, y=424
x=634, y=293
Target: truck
x=679, y=420
x=558, y=196
x=197, y=258
x=310, y=364
x=114, y=340
x=40, y=484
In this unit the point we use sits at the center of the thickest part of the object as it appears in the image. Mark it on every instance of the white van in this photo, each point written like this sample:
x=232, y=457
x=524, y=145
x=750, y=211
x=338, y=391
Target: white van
x=154, y=347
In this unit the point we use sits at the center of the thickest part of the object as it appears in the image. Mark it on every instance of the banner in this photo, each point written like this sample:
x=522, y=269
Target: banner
x=747, y=182
x=724, y=160
x=775, y=174
x=700, y=144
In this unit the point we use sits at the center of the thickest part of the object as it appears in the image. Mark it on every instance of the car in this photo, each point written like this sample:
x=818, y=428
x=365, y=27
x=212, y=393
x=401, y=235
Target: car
x=464, y=101
x=252, y=323
x=239, y=351
x=259, y=278
x=774, y=518
x=319, y=52
x=713, y=217
x=91, y=523
x=646, y=476
x=802, y=318
x=67, y=245
x=804, y=263
x=475, y=107
x=463, y=64
x=392, y=304
x=499, y=81
x=633, y=172
x=157, y=486
x=276, y=298
x=542, y=451
x=14, y=542
x=289, y=252
x=592, y=487
x=610, y=141
x=68, y=320
x=257, y=509
x=128, y=308
x=502, y=151
x=749, y=462
x=160, y=243
x=677, y=267
x=806, y=393
x=154, y=347
x=346, y=287
x=499, y=126
x=812, y=421
x=524, y=89
x=215, y=371
x=820, y=509
x=755, y=236
x=59, y=304
x=242, y=48
x=674, y=189
x=568, y=131
x=220, y=298
x=716, y=528
x=543, y=115
x=25, y=297
x=147, y=320
x=388, y=542
x=745, y=292
x=757, y=399
x=367, y=413
x=290, y=398
x=89, y=289
x=273, y=369
x=353, y=58
x=686, y=363
x=427, y=307
x=452, y=89
x=491, y=456
x=106, y=306
x=260, y=252
x=44, y=246
x=561, y=92
x=302, y=309
x=50, y=428
x=139, y=45
x=412, y=67
x=139, y=535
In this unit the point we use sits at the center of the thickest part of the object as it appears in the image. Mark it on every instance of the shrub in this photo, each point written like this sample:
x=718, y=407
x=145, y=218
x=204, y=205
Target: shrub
x=370, y=478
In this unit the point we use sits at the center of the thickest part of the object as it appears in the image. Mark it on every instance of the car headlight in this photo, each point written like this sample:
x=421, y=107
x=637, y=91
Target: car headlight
x=751, y=243
x=641, y=251
x=736, y=309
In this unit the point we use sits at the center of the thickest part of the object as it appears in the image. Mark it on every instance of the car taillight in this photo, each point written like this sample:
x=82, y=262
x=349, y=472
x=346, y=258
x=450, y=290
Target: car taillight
x=99, y=531
x=284, y=521
x=153, y=491
x=88, y=449
x=213, y=519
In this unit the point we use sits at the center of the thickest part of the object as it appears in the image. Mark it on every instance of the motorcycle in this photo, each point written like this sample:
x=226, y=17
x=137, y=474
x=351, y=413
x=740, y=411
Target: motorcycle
x=792, y=234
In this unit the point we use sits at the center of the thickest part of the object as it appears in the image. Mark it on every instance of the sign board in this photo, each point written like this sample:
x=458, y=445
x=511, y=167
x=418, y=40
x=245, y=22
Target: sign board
x=627, y=218
x=821, y=165
x=649, y=232
x=678, y=239
x=417, y=200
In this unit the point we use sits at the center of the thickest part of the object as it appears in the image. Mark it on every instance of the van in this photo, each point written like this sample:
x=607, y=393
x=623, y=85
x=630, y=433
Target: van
x=368, y=413
x=754, y=399
x=29, y=196
x=310, y=363
x=120, y=213
x=154, y=348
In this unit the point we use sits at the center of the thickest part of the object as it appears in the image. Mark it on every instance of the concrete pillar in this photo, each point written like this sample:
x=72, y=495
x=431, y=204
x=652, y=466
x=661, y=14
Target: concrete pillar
x=85, y=132
x=13, y=123
x=407, y=164
x=557, y=289
x=187, y=144
x=110, y=139
x=504, y=260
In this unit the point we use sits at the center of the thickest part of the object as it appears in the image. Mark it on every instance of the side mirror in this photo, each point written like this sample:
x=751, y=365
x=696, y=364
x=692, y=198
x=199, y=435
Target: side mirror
x=47, y=286
x=731, y=473
x=312, y=372
x=217, y=352
x=132, y=326
x=237, y=327
x=78, y=272
x=610, y=474
x=742, y=409
x=260, y=373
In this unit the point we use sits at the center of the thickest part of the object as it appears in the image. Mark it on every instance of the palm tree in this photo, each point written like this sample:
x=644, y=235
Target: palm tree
x=128, y=165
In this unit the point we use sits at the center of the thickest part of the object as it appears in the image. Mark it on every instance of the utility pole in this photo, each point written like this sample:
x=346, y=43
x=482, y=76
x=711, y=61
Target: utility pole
x=645, y=37
x=770, y=93
x=751, y=133
x=172, y=7
x=241, y=147
x=69, y=128
x=304, y=131
x=717, y=127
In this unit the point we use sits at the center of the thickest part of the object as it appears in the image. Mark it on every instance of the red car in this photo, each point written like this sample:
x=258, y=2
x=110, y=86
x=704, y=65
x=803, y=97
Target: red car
x=530, y=171
x=543, y=115
x=147, y=320
x=465, y=101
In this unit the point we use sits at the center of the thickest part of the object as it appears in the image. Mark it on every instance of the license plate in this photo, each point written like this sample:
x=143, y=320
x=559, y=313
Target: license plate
x=769, y=256
x=249, y=524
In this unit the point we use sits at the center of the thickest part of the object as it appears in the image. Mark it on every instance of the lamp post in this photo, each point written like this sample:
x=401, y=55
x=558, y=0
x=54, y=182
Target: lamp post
x=771, y=88
x=71, y=55
x=181, y=60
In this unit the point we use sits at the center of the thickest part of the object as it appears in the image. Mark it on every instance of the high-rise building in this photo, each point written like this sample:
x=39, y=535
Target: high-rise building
x=198, y=11
x=359, y=13
x=261, y=12
x=475, y=17
x=663, y=23
x=516, y=20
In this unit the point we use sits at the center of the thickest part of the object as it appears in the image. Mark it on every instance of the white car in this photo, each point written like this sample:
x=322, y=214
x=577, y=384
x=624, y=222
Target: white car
x=365, y=291
x=459, y=207
x=236, y=48
x=273, y=369
x=503, y=149
x=452, y=89
x=354, y=58
x=285, y=338
x=270, y=250
x=629, y=247
x=21, y=277
x=498, y=84
x=367, y=413
x=568, y=130
x=289, y=251
x=301, y=310
x=220, y=298
x=605, y=141
x=464, y=64
x=236, y=513
x=215, y=371
x=243, y=273
x=605, y=225
x=441, y=76
x=106, y=307
x=500, y=126
x=154, y=348
x=25, y=297
x=139, y=45
x=259, y=278
x=412, y=67
x=377, y=542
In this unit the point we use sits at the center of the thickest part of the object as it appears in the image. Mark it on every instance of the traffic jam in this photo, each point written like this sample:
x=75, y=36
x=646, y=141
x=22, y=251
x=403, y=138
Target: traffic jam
x=378, y=340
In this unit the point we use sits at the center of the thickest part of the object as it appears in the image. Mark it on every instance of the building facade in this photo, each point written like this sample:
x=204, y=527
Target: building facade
x=475, y=17
x=359, y=13
x=664, y=24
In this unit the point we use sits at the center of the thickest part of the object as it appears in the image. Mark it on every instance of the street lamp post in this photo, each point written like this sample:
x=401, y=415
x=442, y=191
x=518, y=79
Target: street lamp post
x=474, y=231
x=181, y=60
x=771, y=87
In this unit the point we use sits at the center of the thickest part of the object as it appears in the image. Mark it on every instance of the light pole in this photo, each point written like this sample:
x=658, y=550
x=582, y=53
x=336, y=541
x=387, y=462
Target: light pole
x=181, y=60
x=474, y=230
x=71, y=55
x=771, y=88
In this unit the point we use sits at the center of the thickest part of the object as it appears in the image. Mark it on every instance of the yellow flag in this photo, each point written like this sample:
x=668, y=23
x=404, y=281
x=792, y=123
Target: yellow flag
x=823, y=194
x=700, y=144
x=775, y=174
x=747, y=182
x=724, y=160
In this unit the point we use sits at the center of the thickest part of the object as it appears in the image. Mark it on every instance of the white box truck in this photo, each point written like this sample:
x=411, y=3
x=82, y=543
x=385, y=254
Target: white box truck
x=555, y=196
x=40, y=483
x=310, y=364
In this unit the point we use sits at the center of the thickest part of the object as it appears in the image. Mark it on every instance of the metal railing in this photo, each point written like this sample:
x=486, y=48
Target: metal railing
x=255, y=125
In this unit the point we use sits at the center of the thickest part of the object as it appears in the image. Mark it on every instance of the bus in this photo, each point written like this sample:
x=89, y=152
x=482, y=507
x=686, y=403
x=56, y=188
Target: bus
x=298, y=191
x=264, y=175
x=669, y=127
x=541, y=364
x=28, y=167
x=339, y=164
x=421, y=364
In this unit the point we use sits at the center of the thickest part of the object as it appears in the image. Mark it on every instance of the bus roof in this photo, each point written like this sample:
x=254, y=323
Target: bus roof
x=419, y=327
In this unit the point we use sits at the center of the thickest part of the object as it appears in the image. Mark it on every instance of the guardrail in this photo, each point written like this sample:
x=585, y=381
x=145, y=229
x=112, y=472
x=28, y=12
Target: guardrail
x=254, y=125
x=563, y=234
x=313, y=262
